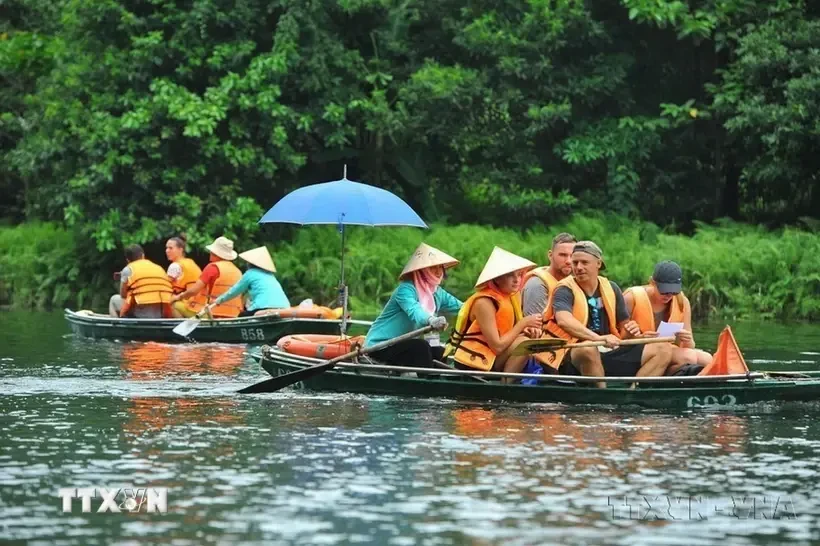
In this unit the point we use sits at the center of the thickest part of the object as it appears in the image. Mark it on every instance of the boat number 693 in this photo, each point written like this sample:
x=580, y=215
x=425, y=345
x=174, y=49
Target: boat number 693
x=722, y=400
x=252, y=334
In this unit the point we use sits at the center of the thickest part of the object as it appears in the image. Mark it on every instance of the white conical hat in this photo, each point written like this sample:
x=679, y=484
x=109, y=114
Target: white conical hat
x=260, y=257
x=500, y=263
x=427, y=256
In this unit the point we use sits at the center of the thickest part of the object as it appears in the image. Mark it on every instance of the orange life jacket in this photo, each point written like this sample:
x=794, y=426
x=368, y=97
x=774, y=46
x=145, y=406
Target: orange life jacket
x=550, y=282
x=643, y=314
x=467, y=343
x=546, y=277
x=190, y=274
x=229, y=275
x=580, y=310
x=147, y=285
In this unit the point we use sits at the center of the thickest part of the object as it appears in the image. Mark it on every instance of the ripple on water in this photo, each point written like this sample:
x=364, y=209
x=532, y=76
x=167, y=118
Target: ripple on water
x=299, y=467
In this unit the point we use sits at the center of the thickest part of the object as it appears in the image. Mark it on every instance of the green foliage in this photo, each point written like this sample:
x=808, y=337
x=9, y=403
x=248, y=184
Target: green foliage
x=132, y=121
x=730, y=270
x=769, y=99
x=41, y=266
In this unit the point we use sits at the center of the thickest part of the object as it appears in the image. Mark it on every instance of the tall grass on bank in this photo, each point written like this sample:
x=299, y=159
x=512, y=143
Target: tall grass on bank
x=730, y=270
x=42, y=266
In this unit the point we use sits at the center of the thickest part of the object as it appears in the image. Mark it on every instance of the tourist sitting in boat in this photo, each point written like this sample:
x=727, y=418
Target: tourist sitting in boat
x=663, y=300
x=491, y=324
x=183, y=271
x=540, y=283
x=217, y=278
x=418, y=301
x=145, y=291
x=588, y=307
x=258, y=285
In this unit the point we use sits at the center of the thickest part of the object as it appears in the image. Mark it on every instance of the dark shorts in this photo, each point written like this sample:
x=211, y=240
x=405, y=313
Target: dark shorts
x=623, y=361
x=620, y=362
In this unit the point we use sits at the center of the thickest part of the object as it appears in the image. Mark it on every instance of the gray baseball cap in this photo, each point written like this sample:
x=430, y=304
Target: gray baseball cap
x=668, y=276
x=592, y=249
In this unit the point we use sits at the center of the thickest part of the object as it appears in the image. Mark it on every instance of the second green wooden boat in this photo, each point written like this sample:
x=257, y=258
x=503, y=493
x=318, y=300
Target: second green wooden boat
x=263, y=329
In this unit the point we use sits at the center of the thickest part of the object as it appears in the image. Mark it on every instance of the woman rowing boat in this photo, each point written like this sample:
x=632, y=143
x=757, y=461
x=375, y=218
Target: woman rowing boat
x=258, y=285
x=418, y=301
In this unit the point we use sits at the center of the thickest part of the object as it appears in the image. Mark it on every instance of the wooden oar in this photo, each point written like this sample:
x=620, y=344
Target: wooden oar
x=540, y=345
x=280, y=382
x=186, y=327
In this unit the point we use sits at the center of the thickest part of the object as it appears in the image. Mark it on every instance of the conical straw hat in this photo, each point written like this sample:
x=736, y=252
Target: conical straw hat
x=260, y=257
x=500, y=263
x=427, y=256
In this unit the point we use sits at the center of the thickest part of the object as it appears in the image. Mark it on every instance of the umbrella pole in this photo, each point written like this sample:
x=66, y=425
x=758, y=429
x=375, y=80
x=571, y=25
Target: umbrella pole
x=343, y=288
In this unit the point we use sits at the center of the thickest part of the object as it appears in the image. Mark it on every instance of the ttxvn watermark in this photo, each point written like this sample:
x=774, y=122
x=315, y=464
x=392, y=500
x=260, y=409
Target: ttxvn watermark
x=126, y=499
x=700, y=507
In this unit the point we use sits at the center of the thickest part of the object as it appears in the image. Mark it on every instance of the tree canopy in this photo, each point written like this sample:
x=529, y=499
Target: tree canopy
x=134, y=120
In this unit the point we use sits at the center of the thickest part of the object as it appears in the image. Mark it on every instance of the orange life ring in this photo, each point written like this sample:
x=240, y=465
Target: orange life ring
x=315, y=311
x=319, y=345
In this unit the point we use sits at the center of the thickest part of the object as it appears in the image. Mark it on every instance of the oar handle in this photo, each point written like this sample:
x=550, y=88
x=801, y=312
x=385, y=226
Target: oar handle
x=633, y=341
x=282, y=381
x=378, y=346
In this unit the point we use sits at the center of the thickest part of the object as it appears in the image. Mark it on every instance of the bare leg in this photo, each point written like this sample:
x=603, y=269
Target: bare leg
x=655, y=359
x=511, y=364
x=588, y=361
x=175, y=311
x=115, y=305
x=681, y=357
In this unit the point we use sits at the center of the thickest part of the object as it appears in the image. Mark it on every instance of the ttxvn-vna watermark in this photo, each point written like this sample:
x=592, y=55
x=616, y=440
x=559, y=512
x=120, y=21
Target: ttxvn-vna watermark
x=123, y=499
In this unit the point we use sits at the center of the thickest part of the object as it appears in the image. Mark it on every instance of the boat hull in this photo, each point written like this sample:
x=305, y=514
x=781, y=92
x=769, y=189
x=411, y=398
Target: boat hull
x=265, y=329
x=673, y=397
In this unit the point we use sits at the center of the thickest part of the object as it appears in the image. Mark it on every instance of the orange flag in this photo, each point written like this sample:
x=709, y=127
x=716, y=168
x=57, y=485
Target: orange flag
x=728, y=359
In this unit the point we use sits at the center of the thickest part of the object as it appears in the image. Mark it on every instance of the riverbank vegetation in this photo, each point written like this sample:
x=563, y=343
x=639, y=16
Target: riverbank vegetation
x=730, y=270
x=127, y=122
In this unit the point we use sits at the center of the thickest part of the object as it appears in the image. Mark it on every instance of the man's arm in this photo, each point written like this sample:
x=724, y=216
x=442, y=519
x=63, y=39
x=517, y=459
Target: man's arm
x=195, y=289
x=686, y=338
x=208, y=276
x=562, y=303
x=626, y=327
x=534, y=297
x=125, y=274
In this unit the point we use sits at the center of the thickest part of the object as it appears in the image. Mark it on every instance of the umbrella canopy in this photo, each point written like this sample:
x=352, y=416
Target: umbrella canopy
x=343, y=202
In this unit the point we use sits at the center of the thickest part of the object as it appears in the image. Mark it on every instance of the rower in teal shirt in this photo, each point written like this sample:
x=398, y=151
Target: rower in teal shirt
x=418, y=301
x=403, y=313
x=258, y=283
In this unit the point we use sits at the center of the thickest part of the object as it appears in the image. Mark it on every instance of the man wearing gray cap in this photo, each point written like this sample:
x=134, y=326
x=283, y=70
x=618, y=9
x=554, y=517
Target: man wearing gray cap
x=588, y=307
x=663, y=300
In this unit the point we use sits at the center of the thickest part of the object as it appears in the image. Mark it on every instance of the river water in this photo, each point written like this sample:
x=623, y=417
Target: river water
x=301, y=468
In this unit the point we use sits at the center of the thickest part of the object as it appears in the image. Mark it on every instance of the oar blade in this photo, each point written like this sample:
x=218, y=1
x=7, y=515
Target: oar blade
x=184, y=328
x=531, y=346
x=281, y=381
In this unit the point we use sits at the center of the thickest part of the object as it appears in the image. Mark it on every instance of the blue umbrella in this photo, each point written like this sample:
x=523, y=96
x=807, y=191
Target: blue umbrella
x=343, y=202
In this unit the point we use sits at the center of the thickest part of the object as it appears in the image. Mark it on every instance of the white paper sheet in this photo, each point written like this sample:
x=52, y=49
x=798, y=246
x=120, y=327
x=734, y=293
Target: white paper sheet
x=669, y=328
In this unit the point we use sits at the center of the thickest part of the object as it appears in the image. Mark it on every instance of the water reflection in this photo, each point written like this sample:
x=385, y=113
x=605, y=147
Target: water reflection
x=304, y=468
x=161, y=360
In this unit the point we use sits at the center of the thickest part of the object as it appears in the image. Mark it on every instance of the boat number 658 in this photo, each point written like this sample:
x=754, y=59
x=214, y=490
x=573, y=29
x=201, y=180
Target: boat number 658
x=252, y=334
x=722, y=400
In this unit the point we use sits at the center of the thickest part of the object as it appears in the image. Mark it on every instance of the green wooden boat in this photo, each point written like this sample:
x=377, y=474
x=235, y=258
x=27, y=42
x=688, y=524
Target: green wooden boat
x=666, y=393
x=265, y=329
